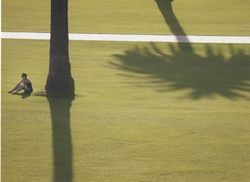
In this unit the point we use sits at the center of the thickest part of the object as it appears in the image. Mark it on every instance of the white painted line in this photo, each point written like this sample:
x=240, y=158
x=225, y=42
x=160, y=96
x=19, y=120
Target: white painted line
x=133, y=38
x=25, y=35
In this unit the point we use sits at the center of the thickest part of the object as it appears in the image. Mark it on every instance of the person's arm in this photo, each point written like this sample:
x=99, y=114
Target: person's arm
x=16, y=87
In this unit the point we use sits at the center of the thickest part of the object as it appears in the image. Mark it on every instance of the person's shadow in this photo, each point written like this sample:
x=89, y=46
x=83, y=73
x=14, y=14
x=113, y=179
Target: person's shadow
x=209, y=74
x=23, y=95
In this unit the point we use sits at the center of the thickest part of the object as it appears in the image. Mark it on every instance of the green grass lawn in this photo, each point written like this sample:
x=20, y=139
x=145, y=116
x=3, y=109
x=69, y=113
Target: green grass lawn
x=224, y=17
x=142, y=112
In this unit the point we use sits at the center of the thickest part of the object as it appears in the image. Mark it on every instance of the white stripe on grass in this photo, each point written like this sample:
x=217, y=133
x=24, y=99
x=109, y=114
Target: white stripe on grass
x=133, y=38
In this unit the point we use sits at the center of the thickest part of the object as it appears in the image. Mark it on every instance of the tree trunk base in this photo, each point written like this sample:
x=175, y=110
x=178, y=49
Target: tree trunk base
x=60, y=84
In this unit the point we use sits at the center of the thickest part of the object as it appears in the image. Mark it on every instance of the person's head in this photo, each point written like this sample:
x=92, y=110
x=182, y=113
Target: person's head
x=24, y=76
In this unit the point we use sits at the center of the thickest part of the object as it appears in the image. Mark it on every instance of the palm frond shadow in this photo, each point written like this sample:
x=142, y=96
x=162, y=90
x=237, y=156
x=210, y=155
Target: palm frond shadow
x=203, y=75
x=182, y=68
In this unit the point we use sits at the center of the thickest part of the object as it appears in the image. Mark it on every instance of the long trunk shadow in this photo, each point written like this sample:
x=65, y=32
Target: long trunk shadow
x=61, y=138
x=165, y=6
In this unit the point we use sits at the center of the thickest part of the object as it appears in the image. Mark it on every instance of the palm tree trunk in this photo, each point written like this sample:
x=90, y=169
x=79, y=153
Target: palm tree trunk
x=59, y=79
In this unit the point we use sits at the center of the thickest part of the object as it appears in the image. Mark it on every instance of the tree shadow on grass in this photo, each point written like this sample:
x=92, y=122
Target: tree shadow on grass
x=205, y=76
x=23, y=95
x=61, y=135
x=61, y=138
x=182, y=68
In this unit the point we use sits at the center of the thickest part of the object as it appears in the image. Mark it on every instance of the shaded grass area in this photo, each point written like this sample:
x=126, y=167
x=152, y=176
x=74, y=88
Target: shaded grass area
x=205, y=75
x=225, y=17
x=61, y=138
x=123, y=125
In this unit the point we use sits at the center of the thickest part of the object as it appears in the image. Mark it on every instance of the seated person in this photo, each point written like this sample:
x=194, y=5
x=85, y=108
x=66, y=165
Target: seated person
x=25, y=84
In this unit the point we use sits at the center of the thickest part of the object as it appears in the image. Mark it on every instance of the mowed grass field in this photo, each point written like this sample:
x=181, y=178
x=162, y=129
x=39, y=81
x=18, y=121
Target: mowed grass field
x=198, y=17
x=142, y=111
x=128, y=125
